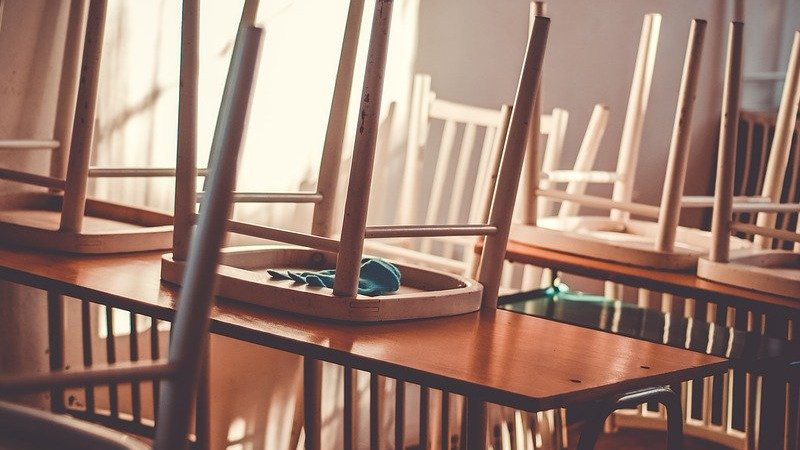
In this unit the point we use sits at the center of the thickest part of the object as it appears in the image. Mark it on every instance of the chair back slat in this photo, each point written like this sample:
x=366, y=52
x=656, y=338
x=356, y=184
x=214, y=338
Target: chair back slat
x=458, y=112
x=476, y=215
x=417, y=134
x=440, y=173
x=459, y=189
x=555, y=127
x=584, y=161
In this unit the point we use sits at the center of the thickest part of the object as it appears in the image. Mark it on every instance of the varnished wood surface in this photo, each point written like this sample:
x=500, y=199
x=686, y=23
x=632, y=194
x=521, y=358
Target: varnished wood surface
x=502, y=357
x=676, y=283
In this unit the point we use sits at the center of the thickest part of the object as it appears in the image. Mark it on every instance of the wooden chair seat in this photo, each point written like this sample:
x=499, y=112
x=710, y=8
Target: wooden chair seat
x=628, y=241
x=33, y=220
x=423, y=293
x=772, y=271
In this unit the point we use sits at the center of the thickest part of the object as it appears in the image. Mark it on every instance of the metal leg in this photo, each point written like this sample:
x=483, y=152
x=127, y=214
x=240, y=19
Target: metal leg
x=55, y=334
x=476, y=424
x=663, y=395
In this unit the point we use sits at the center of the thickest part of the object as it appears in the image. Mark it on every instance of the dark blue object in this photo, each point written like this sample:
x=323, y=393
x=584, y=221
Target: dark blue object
x=377, y=277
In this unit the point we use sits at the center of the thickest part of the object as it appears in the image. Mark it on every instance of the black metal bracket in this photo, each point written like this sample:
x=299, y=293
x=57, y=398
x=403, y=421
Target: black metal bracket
x=603, y=409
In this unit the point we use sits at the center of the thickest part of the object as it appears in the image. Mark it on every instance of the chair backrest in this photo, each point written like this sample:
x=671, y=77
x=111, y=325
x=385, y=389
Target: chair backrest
x=447, y=185
x=756, y=127
x=774, y=180
x=781, y=144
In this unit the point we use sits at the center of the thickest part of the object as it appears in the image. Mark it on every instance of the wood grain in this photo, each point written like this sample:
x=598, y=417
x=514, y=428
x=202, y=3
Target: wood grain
x=503, y=357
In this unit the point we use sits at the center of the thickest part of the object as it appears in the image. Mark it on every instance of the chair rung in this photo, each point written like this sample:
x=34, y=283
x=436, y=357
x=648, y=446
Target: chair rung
x=107, y=373
x=273, y=197
x=567, y=176
x=391, y=231
x=766, y=207
x=28, y=144
x=136, y=172
x=601, y=202
x=769, y=232
x=707, y=201
x=33, y=179
x=277, y=234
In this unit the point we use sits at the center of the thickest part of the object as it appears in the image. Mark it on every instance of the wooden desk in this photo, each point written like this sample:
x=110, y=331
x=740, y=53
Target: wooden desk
x=681, y=284
x=503, y=357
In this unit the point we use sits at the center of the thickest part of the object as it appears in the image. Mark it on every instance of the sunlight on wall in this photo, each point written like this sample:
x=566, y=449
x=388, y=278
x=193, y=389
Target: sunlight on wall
x=236, y=432
x=137, y=113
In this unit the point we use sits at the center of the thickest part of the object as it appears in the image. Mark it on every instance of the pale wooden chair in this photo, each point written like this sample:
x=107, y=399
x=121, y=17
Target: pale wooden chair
x=720, y=396
x=456, y=182
x=22, y=427
x=425, y=293
x=660, y=244
x=64, y=219
x=761, y=268
x=459, y=183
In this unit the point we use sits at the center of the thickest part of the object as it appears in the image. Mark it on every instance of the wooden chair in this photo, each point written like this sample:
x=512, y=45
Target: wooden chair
x=180, y=371
x=456, y=189
x=454, y=180
x=760, y=268
x=661, y=244
x=424, y=292
x=64, y=219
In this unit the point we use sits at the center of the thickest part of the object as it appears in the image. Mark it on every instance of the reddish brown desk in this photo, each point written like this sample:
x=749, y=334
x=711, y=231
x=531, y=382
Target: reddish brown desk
x=495, y=356
x=502, y=357
x=681, y=284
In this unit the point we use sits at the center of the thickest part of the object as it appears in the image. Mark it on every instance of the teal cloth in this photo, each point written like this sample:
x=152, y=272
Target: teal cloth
x=377, y=277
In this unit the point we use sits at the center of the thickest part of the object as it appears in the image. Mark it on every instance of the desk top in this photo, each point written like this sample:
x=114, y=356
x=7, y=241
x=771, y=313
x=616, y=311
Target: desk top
x=677, y=283
x=502, y=357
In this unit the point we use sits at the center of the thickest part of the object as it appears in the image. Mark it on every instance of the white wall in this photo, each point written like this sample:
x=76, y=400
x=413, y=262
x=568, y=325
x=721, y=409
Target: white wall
x=473, y=50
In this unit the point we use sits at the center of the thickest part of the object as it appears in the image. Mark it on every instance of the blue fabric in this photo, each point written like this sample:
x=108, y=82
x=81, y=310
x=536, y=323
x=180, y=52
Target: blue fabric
x=377, y=277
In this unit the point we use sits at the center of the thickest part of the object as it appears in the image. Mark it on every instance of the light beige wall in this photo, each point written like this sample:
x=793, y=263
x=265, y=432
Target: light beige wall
x=473, y=51
x=29, y=54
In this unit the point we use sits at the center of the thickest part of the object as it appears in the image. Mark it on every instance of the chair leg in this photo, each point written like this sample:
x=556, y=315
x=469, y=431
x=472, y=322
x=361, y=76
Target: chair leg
x=663, y=395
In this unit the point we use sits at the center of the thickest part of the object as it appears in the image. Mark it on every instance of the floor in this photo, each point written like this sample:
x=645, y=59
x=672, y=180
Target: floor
x=643, y=439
